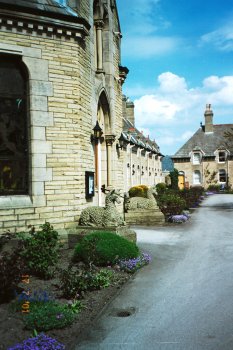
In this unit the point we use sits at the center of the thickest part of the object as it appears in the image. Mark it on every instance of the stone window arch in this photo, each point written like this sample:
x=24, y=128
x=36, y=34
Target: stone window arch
x=14, y=161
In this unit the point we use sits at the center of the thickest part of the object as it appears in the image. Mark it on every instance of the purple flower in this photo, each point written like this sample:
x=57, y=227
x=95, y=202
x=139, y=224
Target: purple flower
x=40, y=342
x=131, y=265
x=178, y=218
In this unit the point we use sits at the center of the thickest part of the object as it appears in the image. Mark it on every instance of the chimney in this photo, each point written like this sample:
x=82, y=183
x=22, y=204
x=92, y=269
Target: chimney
x=130, y=111
x=209, y=119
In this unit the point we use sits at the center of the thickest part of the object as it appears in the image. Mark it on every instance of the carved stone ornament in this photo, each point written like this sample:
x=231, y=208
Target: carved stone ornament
x=103, y=216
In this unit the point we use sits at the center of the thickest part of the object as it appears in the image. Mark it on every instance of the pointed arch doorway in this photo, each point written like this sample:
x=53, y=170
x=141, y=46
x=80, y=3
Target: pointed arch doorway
x=103, y=154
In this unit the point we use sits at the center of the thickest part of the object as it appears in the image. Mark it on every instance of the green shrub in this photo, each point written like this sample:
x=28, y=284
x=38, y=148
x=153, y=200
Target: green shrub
x=161, y=188
x=11, y=266
x=191, y=195
x=104, y=248
x=11, y=269
x=40, y=251
x=214, y=188
x=138, y=191
x=171, y=204
x=49, y=315
x=174, y=175
x=74, y=283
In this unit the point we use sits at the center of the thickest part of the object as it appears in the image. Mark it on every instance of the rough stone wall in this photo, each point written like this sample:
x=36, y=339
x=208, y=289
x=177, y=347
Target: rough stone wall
x=65, y=92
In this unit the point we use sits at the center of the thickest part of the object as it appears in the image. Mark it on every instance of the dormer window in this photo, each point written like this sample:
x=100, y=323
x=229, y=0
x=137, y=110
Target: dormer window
x=196, y=157
x=222, y=156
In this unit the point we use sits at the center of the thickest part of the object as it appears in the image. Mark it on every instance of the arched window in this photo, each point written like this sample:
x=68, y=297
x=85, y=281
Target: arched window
x=196, y=177
x=13, y=127
x=222, y=175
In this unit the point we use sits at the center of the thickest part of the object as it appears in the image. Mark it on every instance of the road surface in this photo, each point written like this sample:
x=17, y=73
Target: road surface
x=183, y=300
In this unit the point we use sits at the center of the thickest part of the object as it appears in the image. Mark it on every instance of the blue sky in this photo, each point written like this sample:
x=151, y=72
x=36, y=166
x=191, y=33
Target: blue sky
x=180, y=57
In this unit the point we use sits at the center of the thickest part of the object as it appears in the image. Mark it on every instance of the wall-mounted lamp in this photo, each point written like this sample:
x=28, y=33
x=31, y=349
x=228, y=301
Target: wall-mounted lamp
x=133, y=172
x=155, y=174
x=149, y=173
x=121, y=143
x=128, y=165
x=142, y=172
x=98, y=132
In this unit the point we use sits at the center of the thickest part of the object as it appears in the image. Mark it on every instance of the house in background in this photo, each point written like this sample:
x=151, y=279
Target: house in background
x=207, y=157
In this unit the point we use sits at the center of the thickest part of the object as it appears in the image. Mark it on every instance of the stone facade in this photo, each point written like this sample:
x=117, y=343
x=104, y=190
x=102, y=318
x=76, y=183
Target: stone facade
x=207, y=158
x=72, y=58
x=142, y=157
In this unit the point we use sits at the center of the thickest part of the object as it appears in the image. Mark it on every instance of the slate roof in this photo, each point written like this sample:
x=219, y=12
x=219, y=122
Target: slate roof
x=49, y=7
x=206, y=142
x=133, y=136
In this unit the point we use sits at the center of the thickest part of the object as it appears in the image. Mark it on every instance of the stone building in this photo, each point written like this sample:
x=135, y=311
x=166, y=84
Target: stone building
x=207, y=157
x=61, y=110
x=142, y=157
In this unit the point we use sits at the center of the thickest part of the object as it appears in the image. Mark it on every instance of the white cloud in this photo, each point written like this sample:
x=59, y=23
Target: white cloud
x=171, y=83
x=173, y=111
x=221, y=39
x=151, y=109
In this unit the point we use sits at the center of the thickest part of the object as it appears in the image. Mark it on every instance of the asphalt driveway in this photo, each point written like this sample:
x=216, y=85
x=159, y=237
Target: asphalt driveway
x=183, y=300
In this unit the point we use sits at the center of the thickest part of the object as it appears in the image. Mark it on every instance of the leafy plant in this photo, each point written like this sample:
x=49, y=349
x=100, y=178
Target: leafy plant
x=171, y=204
x=74, y=283
x=138, y=191
x=174, y=175
x=40, y=342
x=102, y=279
x=11, y=268
x=161, y=187
x=40, y=251
x=50, y=315
x=104, y=248
x=214, y=188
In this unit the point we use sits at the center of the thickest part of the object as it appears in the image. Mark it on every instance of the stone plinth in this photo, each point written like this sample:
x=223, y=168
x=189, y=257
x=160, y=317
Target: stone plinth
x=75, y=235
x=147, y=217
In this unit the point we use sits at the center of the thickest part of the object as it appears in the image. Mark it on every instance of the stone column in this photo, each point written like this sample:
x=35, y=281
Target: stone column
x=109, y=141
x=99, y=171
x=99, y=44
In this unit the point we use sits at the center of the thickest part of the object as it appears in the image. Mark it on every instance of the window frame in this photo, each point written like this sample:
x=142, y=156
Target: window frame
x=194, y=161
x=219, y=175
x=199, y=177
x=39, y=117
x=22, y=157
x=225, y=156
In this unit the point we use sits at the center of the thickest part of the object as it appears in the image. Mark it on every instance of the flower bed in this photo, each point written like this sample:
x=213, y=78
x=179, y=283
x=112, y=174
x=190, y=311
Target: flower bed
x=178, y=218
x=40, y=342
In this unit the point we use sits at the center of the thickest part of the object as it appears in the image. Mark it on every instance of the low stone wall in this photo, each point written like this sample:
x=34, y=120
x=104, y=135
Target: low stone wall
x=147, y=217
